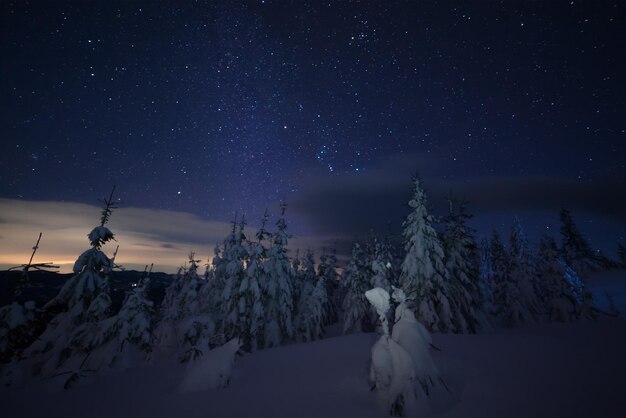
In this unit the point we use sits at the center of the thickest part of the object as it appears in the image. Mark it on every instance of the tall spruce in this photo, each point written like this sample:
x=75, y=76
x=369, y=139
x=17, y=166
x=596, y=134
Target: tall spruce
x=575, y=249
x=462, y=264
x=277, y=288
x=423, y=275
x=358, y=313
x=522, y=270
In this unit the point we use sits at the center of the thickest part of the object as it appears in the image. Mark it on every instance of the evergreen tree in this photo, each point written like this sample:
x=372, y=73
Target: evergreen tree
x=522, y=270
x=358, y=315
x=507, y=295
x=621, y=252
x=186, y=326
x=327, y=273
x=564, y=296
x=575, y=250
x=462, y=264
x=277, y=288
x=486, y=283
x=423, y=275
x=309, y=318
x=82, y=302
x=382, y=264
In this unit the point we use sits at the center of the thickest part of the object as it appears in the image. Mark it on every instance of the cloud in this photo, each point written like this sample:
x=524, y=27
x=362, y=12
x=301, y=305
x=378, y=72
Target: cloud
x=145, y=236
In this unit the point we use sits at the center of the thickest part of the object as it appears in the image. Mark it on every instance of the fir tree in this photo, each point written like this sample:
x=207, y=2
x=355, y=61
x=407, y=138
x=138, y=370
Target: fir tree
x=327, y=273
x=277, y=288
x=462, y=264
x=81, y=303
x=423, y=275
x=507, y=295
x=358, y=315
x=522, y=270
x=309, y=318
x=575, y=250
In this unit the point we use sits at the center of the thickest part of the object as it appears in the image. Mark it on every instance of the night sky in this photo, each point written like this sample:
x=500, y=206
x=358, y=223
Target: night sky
x=216, y=108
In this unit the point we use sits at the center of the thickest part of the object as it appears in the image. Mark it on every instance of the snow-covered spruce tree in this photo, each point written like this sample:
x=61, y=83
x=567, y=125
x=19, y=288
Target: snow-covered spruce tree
x=125, y=339
x=358, y=315
x=235, y=297
x=402, y=367
x=82, y=302
x=327, y=272
x=17, y=323
x=522, y=270
x=486, y=283
x=309, y=318
x=575, y=249
x=621, y=253
x=509, y=310
x=423, y=276
x=382, y=261
x=462, y=264
x=186, y=326
x=563, y=293
x=249, y=294
x=276, y=286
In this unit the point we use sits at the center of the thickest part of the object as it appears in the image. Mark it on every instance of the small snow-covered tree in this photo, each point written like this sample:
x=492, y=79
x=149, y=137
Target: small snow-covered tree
x=563, y=293
x=186, y=326
x=462, y=264
x=327, y=272
x=309, y=318
x=277, y=288
x=16, y=329
x=423, y=275
x=123, y=340
x=507, y=295
x=82, y=302
x=522, y=271
x=358, y=315
x=575, y=249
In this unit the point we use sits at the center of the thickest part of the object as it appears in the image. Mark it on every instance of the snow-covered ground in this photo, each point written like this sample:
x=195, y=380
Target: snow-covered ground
x=549, y=370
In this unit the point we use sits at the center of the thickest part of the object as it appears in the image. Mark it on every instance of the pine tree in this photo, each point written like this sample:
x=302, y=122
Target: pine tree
x=382, y=264
x=236, y=319
x=358, y=315
x=186, y=326
x=621, y=252
x=327, y=273
x=486, y=283
x=81, y=303
x=423, y=275
x=575, y=249
x=564, y=295
x=309, y=318
x=462, y=264
x=507, y=295
x=522, y=270
x=277, y=288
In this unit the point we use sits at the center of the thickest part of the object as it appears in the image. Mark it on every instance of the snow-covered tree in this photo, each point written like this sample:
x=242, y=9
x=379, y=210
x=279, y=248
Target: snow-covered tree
x=563, y=293
x=423, y=274
x=382, y=260
x=82, y=302
x=309, y=318
x=522, y=270
x=17, y=323
x=575, y=249
x=123, y=340
x=462, y=264
x=186, y=326
x=402, y=368
x=327, y=272
x=358, y=315
x=507, y=295
x=486, y=283
x=621, y=252
x=236, y=301
x=276, y=286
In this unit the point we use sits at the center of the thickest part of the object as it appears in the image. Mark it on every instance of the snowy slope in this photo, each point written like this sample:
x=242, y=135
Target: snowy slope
x=554, y=370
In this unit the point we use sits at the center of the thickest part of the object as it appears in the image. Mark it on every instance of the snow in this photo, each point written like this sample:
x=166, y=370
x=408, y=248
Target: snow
x=572, y=369
x=212, y=370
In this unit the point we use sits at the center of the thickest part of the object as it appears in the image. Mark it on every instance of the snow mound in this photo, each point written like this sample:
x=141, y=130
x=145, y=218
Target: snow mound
x=212, y=370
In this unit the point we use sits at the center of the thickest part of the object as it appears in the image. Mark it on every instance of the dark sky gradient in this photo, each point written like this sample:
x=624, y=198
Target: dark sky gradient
x=212, y=108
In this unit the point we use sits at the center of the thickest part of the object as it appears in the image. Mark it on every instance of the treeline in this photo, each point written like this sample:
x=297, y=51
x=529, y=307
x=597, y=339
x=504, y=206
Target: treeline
x=254, y=292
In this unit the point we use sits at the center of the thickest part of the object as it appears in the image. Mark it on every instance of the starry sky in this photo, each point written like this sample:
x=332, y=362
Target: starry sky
x=212, y=108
